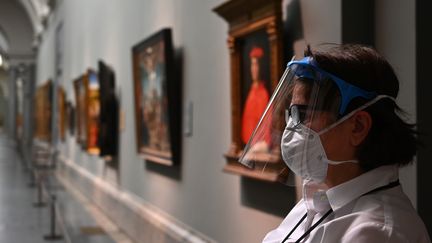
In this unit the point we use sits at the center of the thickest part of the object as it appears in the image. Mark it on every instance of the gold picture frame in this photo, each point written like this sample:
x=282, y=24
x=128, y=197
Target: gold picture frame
x=43, y=111
x=62, y=116
x=92, y=111
x=87, y=111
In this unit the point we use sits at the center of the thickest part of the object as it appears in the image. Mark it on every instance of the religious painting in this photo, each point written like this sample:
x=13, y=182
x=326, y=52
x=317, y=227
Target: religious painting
x=80, y=85
x=93, y=111
x=155, y=97
x=61, y=106
x=255, y=47
x=43, y=111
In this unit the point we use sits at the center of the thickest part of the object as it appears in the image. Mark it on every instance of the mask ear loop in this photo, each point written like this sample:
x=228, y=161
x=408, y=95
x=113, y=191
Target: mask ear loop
x=349, y=115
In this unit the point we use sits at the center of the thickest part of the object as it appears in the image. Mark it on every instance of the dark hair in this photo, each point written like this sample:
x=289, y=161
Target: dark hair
x=391, y=140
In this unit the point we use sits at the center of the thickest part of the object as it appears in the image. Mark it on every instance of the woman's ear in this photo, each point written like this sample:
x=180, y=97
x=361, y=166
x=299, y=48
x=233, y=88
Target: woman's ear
x=361, y=124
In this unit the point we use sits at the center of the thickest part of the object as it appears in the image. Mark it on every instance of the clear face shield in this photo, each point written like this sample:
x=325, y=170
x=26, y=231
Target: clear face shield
x=305, y=103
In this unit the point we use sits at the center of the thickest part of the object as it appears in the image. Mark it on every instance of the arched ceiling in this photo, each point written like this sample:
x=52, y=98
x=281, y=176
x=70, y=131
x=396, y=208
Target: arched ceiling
x=38, y=12
x=21, y=25
x=16, y=26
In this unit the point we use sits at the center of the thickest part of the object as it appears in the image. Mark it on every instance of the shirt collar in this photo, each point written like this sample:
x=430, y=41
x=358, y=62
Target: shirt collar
x=346, y=192
x=314, y=196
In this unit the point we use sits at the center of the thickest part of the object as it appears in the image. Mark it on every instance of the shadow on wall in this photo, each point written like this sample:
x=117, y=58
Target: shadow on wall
x=292, y=29
x=173, y=172
x=273, y=198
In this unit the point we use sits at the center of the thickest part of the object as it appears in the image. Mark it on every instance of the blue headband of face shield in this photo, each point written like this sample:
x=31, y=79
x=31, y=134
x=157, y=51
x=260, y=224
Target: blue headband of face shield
x=308, y=68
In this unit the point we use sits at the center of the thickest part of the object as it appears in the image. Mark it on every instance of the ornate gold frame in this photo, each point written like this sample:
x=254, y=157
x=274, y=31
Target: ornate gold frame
x=42, y=111
x=245, y=17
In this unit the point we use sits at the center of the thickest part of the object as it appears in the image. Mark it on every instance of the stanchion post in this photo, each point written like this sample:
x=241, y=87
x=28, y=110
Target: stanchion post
x=53, y=235
x=40, y=203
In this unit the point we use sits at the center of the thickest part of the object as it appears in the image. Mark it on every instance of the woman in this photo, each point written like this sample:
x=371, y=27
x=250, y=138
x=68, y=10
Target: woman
x=345, y=138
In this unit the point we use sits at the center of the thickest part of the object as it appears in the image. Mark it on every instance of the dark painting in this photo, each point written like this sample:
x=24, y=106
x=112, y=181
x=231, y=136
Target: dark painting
x=152, y=66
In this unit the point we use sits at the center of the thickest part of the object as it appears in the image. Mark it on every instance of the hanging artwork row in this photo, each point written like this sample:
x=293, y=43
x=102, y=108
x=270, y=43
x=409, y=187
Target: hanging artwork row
x=43, y=112
x=94, y=119
x=97, y=112
x=88, y=105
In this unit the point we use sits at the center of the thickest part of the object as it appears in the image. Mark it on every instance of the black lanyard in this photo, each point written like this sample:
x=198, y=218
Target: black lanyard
x=388, y=186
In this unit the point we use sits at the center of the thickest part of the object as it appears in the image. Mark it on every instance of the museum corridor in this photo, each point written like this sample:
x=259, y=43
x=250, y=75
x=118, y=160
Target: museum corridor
x=23, y=220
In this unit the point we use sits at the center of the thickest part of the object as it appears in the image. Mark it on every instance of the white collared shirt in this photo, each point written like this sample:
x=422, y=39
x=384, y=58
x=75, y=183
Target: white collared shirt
x=381, y=216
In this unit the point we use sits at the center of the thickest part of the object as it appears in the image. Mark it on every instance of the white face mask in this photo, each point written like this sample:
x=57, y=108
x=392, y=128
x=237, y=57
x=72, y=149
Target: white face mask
x=303, y=151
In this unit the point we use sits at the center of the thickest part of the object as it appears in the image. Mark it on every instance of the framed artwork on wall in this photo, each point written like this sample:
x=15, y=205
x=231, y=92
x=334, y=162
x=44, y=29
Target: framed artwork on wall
x=255, y=81
x=37, y=113
x=62, y=115
x=108, y=138
x=87, y=111
x=255, y=46
x=80, y=85
x=157, y=99
x=43, y=111
x=92, y=111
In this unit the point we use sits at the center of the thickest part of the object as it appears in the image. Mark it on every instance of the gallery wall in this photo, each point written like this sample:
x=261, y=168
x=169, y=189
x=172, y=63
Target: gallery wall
x=395, y=39
x=197, y=193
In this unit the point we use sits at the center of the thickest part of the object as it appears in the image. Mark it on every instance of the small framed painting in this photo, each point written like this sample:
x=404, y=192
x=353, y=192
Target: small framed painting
x=157, y=99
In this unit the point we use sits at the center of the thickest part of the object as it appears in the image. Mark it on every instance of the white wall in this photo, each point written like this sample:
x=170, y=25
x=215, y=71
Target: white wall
x=395, y=39
x=322, y=21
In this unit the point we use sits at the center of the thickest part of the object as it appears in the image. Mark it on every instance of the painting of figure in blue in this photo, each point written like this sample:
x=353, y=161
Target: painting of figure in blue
x=152, y=101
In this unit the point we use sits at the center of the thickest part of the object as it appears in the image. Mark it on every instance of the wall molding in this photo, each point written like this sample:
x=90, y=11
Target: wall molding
x=139, y=219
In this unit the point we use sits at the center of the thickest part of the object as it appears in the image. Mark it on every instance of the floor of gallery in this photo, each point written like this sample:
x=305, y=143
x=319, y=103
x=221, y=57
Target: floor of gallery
x=22, y=221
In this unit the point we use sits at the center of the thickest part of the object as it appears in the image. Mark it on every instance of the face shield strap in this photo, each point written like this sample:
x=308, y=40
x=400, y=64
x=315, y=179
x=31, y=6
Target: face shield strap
x=346, y=117
x=308, y=68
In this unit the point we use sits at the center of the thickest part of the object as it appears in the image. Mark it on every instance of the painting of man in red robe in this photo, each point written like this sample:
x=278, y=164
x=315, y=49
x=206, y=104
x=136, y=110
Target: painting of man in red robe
x=256, y=99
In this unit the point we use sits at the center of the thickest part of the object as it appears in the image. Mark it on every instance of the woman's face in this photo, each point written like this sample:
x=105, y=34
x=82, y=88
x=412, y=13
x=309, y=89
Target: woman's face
x=335, y=140
x=316, y=120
